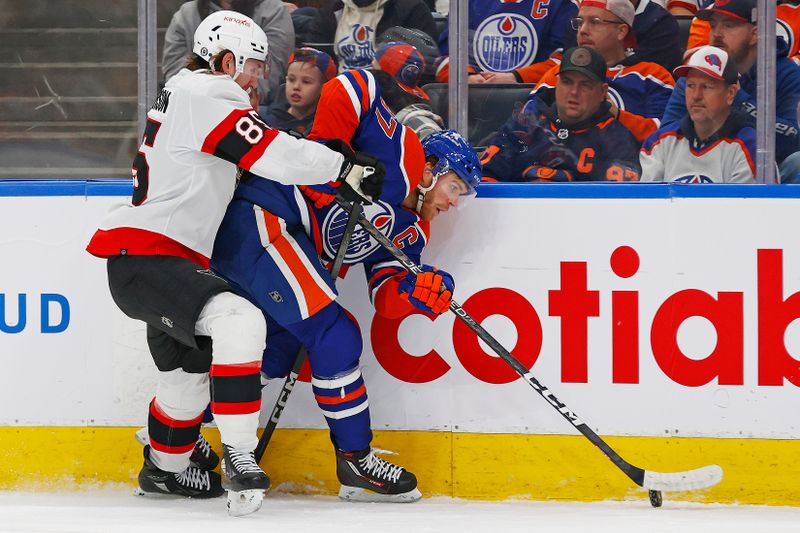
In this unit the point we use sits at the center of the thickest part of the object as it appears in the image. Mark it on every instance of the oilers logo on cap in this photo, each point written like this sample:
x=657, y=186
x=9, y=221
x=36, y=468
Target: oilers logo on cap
x=361, y=243
x=505, y=42
x=356, y=49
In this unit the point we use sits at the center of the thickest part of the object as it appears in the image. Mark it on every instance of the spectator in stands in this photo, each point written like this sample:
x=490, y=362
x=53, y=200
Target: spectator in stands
x=505, y=36
x=308, y=71
x=679, y=7
x=308, y=19
x=733, y=29
x=270, y=15
x=424, y=43
x=712, y=143
x=787, y=17
x=638, y=90
x=573, y=138
x=405, y=65
x=361, y=21
x=654, y=38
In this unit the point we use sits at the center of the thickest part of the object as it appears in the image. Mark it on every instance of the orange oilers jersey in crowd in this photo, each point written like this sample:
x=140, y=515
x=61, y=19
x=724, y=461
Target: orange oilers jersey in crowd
x=787, y=19
x=199, y=130
x=640, y=91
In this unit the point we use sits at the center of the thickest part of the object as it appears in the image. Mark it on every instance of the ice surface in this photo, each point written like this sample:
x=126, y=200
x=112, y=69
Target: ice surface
x=116, y=509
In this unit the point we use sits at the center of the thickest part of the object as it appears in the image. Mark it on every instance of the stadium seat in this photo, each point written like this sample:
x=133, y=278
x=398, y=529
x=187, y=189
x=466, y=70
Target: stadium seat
x=440, y=21
x=684, y=24
x=489, y=107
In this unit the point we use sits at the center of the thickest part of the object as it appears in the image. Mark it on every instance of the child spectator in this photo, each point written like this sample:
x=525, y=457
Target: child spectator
x=308, y=71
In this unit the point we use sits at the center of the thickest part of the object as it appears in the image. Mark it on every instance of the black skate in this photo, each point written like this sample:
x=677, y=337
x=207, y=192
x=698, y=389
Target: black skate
x=203, y=456
x=191, y=483
x=244, y=480
x=368, y=478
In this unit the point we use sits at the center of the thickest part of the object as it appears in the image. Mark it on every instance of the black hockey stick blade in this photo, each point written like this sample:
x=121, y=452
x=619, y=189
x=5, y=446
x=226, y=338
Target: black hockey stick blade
x=353, y=211
x=699, y=478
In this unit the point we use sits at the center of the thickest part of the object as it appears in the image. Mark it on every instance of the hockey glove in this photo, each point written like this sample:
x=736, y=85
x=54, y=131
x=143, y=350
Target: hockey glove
x=361, y=178
x=430, y=291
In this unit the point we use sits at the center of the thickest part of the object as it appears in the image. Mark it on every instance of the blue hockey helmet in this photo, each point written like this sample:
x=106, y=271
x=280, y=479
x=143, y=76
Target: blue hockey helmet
x=454, y=153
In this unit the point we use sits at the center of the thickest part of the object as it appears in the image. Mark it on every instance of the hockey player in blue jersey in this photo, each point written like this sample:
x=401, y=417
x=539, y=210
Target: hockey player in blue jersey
x=274, y=238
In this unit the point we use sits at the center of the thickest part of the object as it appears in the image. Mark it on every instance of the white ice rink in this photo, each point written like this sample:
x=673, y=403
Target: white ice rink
x=117, y=510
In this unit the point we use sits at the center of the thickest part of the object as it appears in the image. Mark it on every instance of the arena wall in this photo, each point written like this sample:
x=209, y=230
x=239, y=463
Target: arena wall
x=663, y=315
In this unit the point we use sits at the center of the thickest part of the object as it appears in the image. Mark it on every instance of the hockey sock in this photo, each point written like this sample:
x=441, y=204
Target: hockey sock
x=343, y=401
x=171, y=440
x=236, y=402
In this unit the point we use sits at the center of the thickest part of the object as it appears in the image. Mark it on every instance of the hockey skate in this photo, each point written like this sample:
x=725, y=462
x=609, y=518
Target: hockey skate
x=368, y=478
x=244, y=480
x=203, y=456
x=191, y=483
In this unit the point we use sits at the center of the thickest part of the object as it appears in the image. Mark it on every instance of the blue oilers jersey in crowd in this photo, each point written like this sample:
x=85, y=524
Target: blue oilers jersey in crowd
x=640, y=90
x=505, y=35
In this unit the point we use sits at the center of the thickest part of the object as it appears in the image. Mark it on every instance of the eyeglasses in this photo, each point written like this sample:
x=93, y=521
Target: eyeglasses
x=593, y=22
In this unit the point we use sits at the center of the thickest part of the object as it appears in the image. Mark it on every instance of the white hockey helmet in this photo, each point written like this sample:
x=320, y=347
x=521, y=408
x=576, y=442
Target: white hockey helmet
x=229, y=30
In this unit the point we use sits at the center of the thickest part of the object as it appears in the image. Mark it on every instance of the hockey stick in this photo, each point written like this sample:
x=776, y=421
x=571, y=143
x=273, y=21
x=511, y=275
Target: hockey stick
x=275, y=415
x=698, y=478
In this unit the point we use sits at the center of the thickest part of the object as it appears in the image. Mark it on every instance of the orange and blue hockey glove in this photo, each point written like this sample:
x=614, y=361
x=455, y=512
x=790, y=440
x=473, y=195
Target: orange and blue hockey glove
x=430, y=291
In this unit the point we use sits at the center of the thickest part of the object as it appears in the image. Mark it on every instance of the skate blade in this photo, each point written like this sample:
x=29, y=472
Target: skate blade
x=244, y=502
x=357, y=494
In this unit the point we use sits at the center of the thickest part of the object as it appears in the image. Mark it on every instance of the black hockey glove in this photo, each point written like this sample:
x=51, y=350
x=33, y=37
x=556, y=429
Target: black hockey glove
x=361, y=178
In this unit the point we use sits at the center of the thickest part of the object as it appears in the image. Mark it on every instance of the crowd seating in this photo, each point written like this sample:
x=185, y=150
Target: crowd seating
x=68, y=106
x=489, y=106
x=684, y=24
x=68, y=100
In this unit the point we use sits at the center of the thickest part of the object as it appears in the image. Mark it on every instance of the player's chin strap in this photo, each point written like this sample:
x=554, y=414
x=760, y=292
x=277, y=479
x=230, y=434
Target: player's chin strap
x=423, y=190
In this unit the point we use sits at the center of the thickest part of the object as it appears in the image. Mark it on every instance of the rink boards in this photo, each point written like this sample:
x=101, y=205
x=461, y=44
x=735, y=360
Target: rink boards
x=662, y=317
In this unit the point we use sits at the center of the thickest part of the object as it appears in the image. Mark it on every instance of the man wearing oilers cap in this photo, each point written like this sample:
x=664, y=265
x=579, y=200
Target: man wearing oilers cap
x=276, y=256
x=712, y=143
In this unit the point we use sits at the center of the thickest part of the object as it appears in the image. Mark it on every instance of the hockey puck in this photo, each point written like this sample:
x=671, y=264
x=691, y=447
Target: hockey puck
x=655, y=498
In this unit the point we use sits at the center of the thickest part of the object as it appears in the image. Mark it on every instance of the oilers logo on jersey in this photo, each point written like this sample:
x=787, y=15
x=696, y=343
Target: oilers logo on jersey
x=361, y=244
x=356, y=49
x=504, y=42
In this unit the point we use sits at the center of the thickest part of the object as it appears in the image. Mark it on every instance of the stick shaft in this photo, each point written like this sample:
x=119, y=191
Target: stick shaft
x=634, y=473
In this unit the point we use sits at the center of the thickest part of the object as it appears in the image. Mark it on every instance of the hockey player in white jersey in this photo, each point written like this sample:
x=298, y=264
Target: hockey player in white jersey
x=206, y=341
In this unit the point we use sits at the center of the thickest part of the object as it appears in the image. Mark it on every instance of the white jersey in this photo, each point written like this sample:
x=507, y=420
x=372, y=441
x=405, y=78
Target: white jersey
x=199, y=130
